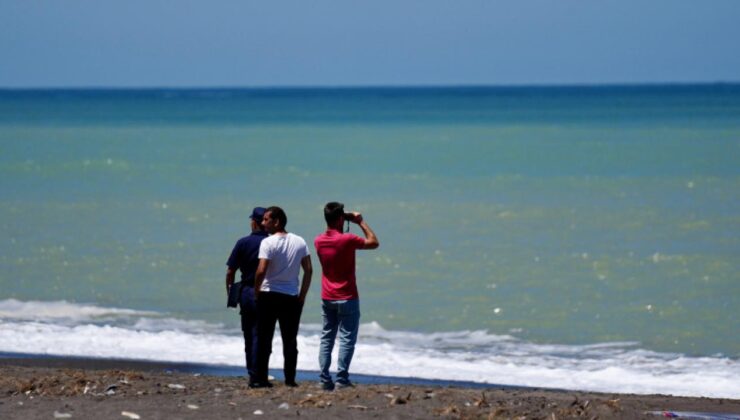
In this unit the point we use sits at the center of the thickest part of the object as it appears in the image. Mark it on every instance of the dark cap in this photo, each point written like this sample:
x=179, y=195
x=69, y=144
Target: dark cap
x=257, y=214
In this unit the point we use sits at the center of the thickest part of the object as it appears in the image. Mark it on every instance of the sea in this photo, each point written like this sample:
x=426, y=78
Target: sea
x=569, y=237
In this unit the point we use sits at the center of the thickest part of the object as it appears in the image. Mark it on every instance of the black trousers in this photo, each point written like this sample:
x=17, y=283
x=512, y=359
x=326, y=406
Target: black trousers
x=275, y=307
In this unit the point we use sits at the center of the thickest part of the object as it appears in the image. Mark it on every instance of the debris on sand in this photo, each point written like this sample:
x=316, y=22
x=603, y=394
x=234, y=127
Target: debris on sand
x=400, y=400
x=482, y=402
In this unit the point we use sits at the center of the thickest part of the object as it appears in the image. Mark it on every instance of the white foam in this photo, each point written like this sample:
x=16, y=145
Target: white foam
x=61, y=310
x=462, y=355
x=116, y=342
x=192, y=326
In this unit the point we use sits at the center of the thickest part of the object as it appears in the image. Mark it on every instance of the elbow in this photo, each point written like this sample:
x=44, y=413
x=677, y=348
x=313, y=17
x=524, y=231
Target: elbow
x=373, y=244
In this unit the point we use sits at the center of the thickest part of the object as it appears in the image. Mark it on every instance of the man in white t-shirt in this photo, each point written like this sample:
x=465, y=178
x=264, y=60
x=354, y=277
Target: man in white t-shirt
x=279, y=298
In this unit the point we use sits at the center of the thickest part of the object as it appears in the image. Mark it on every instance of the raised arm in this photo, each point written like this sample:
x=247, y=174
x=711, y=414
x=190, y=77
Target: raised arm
x=371, y=241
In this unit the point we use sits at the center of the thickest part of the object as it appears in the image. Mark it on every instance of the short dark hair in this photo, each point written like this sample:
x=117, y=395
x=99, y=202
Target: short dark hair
x=278, y=213
x=333, y=211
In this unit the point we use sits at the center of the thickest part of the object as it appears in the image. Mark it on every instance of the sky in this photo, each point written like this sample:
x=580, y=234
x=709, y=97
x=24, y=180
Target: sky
x=230, y=43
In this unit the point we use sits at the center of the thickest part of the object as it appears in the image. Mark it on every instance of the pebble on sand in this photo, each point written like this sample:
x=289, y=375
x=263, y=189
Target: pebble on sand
x=176, y=386
x=58, y=415
x=130, y=415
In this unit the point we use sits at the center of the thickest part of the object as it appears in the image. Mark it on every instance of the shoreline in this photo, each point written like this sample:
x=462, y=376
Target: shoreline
x=49, y=387
x=99, y=363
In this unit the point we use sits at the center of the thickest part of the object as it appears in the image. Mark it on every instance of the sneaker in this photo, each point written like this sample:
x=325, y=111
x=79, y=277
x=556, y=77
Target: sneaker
x=346, y=383
x=327, y=386
x=291, y=384
x=254, y=385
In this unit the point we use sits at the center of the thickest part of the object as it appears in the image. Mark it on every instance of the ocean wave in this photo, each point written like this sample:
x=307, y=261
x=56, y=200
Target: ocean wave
x=63, y=310
x=460, y=355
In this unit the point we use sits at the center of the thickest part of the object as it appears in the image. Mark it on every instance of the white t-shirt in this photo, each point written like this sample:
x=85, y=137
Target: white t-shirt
x=285, y=252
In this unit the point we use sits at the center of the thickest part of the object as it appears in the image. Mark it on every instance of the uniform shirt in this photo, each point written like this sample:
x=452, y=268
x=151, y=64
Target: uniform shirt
x=244, y=256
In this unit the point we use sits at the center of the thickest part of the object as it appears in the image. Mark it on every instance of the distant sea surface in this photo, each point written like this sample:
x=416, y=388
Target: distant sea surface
x=569, y=237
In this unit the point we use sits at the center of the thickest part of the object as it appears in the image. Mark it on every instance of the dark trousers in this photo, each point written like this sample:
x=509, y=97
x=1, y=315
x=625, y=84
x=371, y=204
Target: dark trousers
x=249, y=329
x=277, y=307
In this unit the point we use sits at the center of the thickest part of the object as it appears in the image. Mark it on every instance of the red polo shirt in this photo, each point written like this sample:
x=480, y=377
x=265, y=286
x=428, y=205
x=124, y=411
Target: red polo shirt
x=336, y=252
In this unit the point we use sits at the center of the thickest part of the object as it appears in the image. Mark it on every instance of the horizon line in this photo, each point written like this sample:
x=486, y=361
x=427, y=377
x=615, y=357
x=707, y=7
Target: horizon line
x=378, y=86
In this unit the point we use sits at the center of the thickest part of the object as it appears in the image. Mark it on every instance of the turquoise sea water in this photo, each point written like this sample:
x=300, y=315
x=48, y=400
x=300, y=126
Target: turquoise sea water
x=573, y=215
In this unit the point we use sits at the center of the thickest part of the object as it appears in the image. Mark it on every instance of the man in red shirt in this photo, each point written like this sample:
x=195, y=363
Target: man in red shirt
x=340, y=300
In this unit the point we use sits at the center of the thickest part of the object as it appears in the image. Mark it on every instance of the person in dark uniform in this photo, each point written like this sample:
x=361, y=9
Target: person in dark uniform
x=244, y=257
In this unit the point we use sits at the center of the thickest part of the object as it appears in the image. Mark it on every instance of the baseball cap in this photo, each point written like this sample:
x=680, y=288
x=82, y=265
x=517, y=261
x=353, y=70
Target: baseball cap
x=257, y=214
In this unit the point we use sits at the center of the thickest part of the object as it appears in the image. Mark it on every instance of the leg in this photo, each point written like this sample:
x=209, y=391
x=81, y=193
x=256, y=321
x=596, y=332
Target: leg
x=328, y=334
x=249, y=329
x=290, y=318
x=349, y=324
x=266, y=317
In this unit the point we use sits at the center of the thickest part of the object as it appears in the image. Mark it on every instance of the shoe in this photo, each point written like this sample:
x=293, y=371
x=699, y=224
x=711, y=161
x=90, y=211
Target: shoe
x=291, y=384
x=327, y=386
x=254, y=385
x=345, y=384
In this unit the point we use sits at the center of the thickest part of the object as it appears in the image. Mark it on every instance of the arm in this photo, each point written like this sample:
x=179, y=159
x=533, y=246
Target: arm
x=259, y=276
x=307, y=273
x=371, y=241
x=230, y=275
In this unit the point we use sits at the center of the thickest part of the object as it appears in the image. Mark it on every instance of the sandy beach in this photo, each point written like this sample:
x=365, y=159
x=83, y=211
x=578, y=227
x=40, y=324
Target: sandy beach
x=112, y=389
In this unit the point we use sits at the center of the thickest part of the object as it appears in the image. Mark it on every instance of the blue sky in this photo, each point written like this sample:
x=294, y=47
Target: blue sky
x=157, y=43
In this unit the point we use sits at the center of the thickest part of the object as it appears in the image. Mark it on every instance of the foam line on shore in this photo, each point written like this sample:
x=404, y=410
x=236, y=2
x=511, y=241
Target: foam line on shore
x=79, y=330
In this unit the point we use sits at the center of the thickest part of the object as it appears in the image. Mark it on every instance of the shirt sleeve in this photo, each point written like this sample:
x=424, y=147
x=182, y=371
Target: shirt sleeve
x=302, y=248
x=357, y=241
x=233, y=261
x=305, y=250
x=264, y=253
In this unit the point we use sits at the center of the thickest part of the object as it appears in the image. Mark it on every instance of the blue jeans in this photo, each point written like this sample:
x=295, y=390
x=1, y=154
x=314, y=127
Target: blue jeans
x=341, y=316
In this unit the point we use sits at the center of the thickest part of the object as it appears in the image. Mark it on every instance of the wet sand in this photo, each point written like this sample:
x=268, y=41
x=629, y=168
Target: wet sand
x=38, y=388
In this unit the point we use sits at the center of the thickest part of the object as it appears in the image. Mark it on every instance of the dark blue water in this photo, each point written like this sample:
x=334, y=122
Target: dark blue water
x=608, y=105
